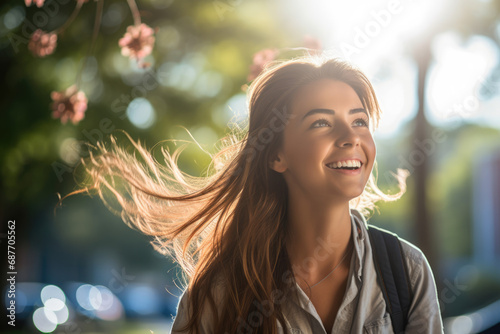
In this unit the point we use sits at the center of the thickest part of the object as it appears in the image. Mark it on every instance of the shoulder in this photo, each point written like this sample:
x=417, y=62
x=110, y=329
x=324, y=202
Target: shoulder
x=424, y=312
x=416, y=262
x=413, y=256
x=419, y=271
x=184, y=310
x=423, y=285
x=184, y=314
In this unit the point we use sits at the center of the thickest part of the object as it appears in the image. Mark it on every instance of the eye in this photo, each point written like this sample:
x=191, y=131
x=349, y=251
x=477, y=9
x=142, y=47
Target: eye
x=320, y=121
x=361, y=122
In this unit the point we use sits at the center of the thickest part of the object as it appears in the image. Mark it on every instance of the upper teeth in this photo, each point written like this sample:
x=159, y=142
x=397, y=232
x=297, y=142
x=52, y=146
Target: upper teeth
x=345, y=163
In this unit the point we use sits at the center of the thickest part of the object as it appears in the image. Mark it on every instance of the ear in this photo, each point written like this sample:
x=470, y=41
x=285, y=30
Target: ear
x=278, y=163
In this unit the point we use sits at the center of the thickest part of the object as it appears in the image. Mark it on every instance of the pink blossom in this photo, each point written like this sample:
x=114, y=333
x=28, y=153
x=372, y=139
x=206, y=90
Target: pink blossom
x=38, y=3
x=260, y=59
x=137, y=42
x=42, y=43
x=313, y=44
x=69, y=104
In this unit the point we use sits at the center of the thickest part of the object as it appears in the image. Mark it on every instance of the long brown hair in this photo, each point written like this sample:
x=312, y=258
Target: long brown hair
x=228, y=227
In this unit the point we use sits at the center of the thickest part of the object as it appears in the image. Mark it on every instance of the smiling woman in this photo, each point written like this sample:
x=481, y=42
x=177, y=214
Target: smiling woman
x=275, y=240
x=335, y=131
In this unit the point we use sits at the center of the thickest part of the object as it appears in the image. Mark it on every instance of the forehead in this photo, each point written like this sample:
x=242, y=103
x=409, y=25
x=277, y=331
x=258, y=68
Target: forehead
x=324, y=93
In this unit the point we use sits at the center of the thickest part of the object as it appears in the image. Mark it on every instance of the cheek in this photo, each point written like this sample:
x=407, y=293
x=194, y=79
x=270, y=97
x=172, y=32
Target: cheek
x=304, y=150
x=298, y=154
x=304, y=154
x=370, y=148
x=373, y=150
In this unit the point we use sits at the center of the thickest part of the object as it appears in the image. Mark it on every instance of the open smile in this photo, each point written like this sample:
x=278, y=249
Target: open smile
x=349, y=167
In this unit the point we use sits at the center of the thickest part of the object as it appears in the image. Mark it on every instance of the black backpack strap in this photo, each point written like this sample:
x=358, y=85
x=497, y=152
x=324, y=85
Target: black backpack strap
x=392, y=275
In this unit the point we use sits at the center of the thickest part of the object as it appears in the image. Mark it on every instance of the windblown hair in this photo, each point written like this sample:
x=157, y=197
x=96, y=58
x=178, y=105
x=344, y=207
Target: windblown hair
x=230, y=225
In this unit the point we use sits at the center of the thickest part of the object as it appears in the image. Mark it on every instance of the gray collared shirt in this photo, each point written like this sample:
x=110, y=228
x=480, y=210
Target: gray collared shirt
x=363, y=309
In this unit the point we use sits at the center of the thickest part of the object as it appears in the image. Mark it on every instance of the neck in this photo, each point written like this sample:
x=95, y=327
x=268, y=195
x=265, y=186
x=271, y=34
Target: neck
x=318, y=237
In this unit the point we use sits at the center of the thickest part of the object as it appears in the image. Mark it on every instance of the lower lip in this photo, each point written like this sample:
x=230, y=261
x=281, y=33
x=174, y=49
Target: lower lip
x=346, y=171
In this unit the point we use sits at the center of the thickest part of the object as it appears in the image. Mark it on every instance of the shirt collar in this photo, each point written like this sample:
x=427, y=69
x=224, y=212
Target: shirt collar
x=359, y=230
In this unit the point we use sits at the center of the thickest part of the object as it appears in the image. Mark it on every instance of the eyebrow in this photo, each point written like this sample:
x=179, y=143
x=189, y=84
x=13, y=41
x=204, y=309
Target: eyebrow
x=332, y=112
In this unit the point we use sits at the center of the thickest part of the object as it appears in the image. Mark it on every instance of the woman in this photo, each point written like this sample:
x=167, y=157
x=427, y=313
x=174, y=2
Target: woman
x=275, y=240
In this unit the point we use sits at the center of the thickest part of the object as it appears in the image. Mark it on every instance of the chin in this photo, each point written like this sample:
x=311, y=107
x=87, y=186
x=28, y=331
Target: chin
x=354, y=195
x=346, y=196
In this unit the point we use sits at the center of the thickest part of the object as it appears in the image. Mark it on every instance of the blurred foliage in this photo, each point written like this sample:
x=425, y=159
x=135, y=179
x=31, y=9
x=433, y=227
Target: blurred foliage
x=449, y=187
x=204, y=40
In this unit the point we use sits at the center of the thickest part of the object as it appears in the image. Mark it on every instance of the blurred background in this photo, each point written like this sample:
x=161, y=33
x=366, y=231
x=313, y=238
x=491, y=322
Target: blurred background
x=435, y=66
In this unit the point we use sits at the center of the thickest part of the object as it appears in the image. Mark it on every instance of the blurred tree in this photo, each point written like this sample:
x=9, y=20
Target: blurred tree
x=468, y=17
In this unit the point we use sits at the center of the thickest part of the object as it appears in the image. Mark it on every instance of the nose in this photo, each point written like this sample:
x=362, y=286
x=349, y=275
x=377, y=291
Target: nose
x=346, y=136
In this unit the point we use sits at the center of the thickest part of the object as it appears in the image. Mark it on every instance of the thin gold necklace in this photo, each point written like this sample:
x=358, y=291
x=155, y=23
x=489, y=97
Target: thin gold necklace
x=342, y=260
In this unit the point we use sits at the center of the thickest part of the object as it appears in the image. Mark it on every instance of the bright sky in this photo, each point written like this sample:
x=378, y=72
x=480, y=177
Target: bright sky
x=372, y=34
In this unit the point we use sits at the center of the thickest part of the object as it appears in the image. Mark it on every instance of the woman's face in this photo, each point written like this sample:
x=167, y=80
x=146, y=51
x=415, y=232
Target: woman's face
x=328, y=148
